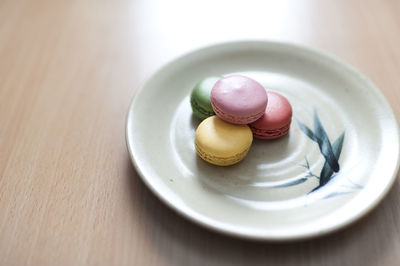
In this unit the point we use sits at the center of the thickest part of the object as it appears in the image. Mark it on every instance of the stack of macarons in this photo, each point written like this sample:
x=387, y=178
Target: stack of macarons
x=234, y=109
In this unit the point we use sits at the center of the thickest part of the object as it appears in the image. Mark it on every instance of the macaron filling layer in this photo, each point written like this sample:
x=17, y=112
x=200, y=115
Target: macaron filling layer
x=235, y=119
x=221, y=160
x=270, y=134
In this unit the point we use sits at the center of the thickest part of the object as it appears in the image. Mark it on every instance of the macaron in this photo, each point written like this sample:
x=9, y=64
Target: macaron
x=276, y=119
x=221, y=143
x=238, y=99
x=200, y=97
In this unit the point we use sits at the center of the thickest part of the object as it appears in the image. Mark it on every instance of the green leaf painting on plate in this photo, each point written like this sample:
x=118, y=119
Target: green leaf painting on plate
x=330, y=152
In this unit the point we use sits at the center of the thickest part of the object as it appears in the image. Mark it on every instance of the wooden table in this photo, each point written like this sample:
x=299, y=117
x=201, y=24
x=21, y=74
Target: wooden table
x=68, y=70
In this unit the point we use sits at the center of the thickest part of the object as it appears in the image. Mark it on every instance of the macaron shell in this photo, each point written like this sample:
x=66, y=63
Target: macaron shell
x=222, y=143
x=200, y=98
x=276, y=120
x=238, y=99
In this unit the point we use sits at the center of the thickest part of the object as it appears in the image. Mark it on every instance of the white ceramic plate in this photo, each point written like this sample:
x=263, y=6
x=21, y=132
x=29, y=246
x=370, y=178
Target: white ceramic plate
x=269, y=195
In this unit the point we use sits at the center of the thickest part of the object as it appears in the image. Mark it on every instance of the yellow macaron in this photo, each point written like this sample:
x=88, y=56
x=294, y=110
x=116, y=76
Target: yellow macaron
x=221, y=143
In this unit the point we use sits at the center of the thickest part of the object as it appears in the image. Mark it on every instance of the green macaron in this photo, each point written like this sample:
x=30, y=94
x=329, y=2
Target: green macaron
x=200, y=99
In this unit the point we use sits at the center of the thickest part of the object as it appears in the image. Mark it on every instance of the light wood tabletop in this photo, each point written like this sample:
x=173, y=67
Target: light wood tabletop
x=69, y=194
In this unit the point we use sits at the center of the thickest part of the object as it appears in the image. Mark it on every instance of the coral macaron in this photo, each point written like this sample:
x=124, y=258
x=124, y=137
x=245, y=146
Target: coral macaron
x=238, y=99
x=221, y=143
x=276, y=120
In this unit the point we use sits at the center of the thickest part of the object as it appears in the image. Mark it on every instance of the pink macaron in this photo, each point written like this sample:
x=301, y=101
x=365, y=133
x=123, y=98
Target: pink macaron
x=276, y=120
x=238, y=99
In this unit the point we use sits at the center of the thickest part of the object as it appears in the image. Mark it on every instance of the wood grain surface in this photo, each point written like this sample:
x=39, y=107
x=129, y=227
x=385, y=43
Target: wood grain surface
x=68, y=70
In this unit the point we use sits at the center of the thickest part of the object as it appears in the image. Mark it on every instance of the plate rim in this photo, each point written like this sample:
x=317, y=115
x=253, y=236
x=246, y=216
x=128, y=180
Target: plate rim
x=182, y=210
